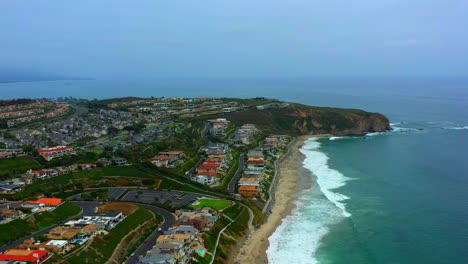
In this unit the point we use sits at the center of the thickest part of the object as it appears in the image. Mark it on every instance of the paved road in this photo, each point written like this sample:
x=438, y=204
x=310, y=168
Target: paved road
x=169, y=220
x=232, y=184
x=194, y=168
x=11, y=204
x=87, y=208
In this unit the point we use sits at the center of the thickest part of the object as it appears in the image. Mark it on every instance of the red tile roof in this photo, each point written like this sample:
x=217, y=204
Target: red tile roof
x=58, y=148
x=33, y=256
x=209, y=166
x=209, y=174
x=248, y=188
x=47, y=201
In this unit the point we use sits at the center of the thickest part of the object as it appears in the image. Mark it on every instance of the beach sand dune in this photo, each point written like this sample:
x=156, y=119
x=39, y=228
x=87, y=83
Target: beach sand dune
x=289, y=185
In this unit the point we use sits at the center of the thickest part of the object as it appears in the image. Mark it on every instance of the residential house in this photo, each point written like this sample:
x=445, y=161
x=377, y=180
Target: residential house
x=249, y=182
x=7, y=187
x=50, y=202
x=120, y=162
x=217, y=127
x=63, y=233
x=168, y=159
x=208, y=178
x=105, y=221
x=202, y=219
x=157, y=256
x=11, y=153
x=39, y=174
x=26, y=255
x=56, y=152
x=249, y=191
x=9, y=213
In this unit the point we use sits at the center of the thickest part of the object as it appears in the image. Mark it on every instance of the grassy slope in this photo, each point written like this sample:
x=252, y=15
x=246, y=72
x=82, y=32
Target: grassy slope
x=271, y=121
x=20, y=228
x=17, y=165
x=53, y=184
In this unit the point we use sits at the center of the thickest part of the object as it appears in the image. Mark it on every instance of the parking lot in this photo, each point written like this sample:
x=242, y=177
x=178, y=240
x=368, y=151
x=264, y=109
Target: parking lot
x=115, y=193
x=175, y=199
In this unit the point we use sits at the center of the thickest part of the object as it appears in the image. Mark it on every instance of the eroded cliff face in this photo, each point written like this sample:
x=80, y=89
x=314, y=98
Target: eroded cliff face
x=340, y=122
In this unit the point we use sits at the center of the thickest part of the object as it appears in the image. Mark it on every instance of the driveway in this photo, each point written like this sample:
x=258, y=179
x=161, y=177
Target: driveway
x=169, y=220
x=232, y=184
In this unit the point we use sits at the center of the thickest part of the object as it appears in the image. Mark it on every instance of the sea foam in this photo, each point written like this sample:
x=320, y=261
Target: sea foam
x=298, y=237
x=456, y=128
x=327, y=179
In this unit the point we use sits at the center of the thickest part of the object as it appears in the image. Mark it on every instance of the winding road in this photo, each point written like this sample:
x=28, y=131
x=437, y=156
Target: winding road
x=232, y=184
x=169, y=220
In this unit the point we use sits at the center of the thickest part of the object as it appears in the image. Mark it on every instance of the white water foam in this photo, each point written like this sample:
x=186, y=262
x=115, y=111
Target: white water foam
x=375, y=134
x=456, y=128
x=396, y=129
x=327, y=179
x=336, y=138
x=298, y=237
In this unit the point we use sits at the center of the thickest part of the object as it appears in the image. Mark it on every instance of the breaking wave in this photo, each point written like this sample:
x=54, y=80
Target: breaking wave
x=328, y=179
x=456, y=128
x=313, y=214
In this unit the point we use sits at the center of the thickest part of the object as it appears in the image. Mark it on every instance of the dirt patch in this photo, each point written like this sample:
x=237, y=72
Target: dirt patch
x=125, y=208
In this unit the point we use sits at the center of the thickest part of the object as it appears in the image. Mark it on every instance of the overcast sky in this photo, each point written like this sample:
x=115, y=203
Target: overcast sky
x=235, y=38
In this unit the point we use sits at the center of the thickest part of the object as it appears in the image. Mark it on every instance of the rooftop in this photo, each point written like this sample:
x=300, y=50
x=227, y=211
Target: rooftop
x=248, y=188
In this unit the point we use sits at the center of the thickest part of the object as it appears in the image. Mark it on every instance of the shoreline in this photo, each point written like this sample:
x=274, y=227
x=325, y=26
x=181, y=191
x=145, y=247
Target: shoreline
x=289, y=186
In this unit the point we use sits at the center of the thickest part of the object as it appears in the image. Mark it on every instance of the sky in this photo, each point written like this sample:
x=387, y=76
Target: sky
x=145, y=39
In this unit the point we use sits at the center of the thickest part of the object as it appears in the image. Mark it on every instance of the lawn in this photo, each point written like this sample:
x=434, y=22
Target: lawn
x=21, y=227
x=215, y=204
x=102, y=247
x=17, y=165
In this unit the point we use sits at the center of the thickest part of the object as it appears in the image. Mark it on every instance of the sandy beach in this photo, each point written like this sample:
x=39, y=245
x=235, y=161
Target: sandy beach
x=289, y=186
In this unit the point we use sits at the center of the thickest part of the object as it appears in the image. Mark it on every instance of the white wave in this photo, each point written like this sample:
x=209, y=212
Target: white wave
x=396, y=124
x=456, y=128
x=396, y=129
x=375, y=134
x=327, y=179
x=298, y=237
x=336, y=138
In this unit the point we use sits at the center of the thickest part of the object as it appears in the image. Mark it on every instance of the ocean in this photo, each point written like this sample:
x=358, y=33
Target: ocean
x=397, y=197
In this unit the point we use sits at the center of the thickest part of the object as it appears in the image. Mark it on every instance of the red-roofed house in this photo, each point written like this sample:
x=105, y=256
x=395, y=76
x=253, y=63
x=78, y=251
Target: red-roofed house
x=47, y=201
x=208, y=167
x=56, y=152
x=38, y=173
x=30, y=256
x=249, y=191
x=167, y=159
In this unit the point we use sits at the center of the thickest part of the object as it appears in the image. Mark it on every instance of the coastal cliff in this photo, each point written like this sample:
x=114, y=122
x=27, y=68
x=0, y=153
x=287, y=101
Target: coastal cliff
x=297, y=119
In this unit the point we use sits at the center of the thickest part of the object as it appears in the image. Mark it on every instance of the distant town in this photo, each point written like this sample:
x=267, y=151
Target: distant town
x=134, y=180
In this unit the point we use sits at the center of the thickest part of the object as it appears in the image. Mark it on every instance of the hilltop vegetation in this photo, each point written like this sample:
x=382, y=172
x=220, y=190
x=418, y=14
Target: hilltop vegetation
x=17, y=165
x=300, y=119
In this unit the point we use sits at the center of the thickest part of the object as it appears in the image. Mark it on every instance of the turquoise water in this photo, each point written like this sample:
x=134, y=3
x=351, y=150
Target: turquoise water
x=408, y=198
x=400, y=197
